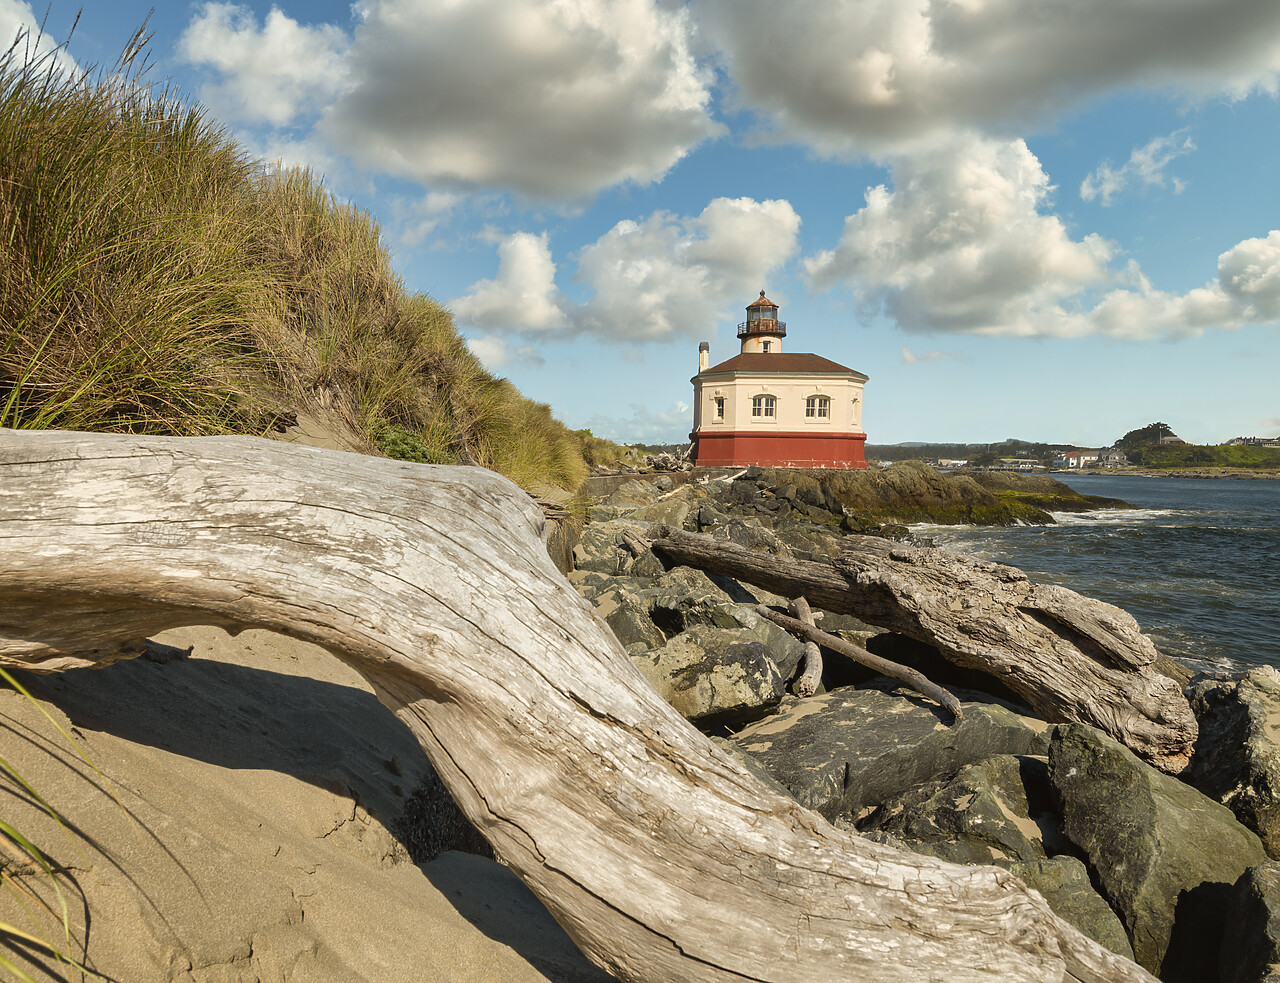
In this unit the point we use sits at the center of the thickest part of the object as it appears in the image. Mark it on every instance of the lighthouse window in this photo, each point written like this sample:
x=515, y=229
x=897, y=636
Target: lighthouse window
x=719, y=407
x=767, y=345
x=817, y=407
x=763, y=406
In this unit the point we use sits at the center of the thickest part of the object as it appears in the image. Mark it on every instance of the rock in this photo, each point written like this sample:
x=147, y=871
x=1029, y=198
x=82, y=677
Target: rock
x=1163, y=854
x=845, y=752
x=672, y=511
x=262, y=781
x=1237, y=757
x=1064, y=882
x=1251, y=943
x=634, y=493
x=713, y=677
x=597, y=546
x=632, y=622
x=982, y=815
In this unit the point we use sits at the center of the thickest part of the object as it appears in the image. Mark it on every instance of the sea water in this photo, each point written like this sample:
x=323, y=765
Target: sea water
x=1197, y=563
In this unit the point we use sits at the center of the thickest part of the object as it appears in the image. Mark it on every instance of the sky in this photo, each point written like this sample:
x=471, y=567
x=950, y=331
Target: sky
x=1053, y=220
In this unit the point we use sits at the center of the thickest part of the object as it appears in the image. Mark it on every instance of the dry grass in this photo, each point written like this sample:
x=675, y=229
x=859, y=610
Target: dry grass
x=157, y=279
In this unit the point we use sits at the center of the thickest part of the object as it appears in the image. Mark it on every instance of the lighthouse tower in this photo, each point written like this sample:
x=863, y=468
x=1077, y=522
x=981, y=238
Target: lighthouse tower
x=774, y=408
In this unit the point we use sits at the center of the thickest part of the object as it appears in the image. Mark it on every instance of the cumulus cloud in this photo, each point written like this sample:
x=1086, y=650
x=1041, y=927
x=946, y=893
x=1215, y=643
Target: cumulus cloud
x=1146, y=165
x=959, y=244
x=645, y=425
x=18, y=23
x=660, y=278
x=497, y=353
x=1249, y=273
x=273, y=72
x=882, y=75
x=522, y=296
x=542, y=96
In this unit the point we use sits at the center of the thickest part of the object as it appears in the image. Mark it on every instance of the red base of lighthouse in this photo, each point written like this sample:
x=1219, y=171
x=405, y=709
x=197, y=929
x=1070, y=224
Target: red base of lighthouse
x=779, y=450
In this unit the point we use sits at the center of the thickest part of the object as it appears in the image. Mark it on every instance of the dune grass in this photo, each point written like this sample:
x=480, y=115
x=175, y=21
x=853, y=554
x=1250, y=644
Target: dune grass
x=156, y=278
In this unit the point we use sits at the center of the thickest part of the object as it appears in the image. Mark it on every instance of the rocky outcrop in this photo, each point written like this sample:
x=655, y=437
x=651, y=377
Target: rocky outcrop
x=1164, y=854
x=1237, y=755
x=1251, y=944
x=846, y=752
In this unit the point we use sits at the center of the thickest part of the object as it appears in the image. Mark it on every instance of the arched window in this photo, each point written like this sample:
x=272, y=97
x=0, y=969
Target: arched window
x=817, y=408
x=763, y=406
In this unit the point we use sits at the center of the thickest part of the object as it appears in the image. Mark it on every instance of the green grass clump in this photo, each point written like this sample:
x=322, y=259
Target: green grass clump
x=155, y=278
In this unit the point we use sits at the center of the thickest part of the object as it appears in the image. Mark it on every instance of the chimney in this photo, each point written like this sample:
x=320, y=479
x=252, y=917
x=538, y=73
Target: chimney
x=704, y=356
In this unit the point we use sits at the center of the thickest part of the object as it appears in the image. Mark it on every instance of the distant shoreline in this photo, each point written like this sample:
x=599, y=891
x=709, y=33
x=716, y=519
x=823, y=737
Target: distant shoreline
x=1244, y=473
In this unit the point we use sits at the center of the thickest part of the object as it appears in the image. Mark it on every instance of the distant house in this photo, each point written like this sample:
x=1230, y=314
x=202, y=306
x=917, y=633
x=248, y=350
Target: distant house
x=1113, y=457
x=773, y=408
x=1171, y=439
x=1075, y=459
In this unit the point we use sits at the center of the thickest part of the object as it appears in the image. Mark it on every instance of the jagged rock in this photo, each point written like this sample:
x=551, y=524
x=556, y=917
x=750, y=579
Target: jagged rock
x=847, y=751
x=1064, y=882
x=632, y=623
x=1164, y=854
x=713, y=677
x=671, y=511
x=1251, y=943
x=1237, y=756
x=634, y=493
x=984, y=814
x=597, y=548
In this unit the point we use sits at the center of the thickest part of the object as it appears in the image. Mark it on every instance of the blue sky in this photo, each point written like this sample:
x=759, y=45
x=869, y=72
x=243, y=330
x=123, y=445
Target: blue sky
x=1044, y=219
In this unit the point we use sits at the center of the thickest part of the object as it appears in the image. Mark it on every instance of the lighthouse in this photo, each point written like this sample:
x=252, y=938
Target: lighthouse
x=773, y=408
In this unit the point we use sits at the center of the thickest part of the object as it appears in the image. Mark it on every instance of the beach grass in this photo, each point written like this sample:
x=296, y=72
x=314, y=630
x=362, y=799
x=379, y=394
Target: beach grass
x=157, y=278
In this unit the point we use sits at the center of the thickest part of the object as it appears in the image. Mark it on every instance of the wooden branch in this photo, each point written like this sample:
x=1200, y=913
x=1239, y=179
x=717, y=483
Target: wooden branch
x=811, y=677
x=1070, y=657
x=663, y=858
x=913, y=678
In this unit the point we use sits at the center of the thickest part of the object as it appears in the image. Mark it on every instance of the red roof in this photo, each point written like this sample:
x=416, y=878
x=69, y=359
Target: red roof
x=789, y=362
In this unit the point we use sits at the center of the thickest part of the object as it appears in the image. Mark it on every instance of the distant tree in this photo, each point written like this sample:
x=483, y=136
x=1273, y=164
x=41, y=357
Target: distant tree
x=986, y=458
x=1145, y=436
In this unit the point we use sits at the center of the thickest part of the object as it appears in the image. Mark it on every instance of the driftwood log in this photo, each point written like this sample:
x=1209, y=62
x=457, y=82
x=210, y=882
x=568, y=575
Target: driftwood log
x=662, y=857
x=1070, y=657
x=806, y=629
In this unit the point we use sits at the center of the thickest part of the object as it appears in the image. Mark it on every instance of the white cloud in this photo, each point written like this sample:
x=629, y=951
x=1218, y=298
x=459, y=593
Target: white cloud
x=660, y=278
x=645, y=425
x=496, y=353
x=19, y=26
x=270, y=73
x=915, y=358
x=883, y=75
x=959, y=244
x=522, y=297
x=1249, y=274
x=1146, y=164
x=547, y=97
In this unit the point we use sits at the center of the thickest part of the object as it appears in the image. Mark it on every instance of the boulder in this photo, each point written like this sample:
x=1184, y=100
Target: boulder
x=714, y=677
x=671, y=511
x=597, y=547
x=1163, y=854
x=1251, y=943
x=1064, y=882
x=845, y=752
x=1237, y=755
x=634, y=493
x=982, y=815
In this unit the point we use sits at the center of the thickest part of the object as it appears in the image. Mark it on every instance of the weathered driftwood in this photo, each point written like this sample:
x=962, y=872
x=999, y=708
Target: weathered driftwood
x=1070, y=657
x=815, y=636
x=811, y=675
x=662, y=857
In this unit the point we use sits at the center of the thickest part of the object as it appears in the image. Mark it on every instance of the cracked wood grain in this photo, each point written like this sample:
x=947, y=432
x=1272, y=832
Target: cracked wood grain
x=662, y=857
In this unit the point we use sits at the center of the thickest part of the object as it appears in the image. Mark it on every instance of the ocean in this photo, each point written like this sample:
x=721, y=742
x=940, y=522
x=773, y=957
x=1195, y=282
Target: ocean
x=1197, y=564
